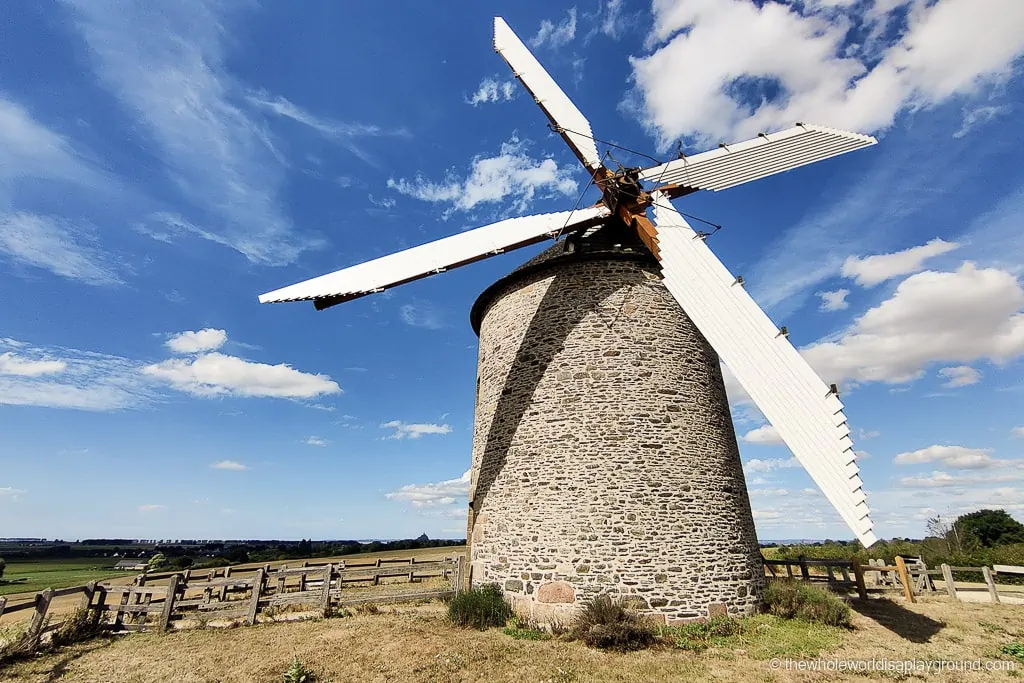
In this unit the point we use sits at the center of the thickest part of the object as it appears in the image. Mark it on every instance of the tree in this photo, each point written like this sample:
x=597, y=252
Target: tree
x=157, y=562
x=3, y=566
x=990, y=527
x=939, y=527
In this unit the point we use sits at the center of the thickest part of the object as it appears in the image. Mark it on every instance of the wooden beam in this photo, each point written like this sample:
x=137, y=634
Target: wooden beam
x=947, y=575
x=35, y=627
x=165, y=614
x=254, y=604
x=858, y=575
x=990, y=583
x=908, y=590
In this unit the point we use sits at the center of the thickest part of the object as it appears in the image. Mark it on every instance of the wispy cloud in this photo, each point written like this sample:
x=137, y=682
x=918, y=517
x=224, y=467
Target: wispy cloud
x=403, y=430
x=492, y=90
x=232, y=465
x=956, y=457
x=765, y=434
x=152, y=507
x=555, y=35
x=53, y=244
x=770, y=464
x=421, y=314
x=12, y=364
x=86, y=380
x=11, y=493
x=834, y=301
x=960, y=376
x=871, y=270
x=978, y=116
x=217, y=374
x=165, y=64
x=315, y=441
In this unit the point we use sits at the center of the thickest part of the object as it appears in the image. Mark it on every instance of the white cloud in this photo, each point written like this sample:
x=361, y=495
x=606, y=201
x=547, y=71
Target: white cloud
x=53, y=244
x=11, y=364
x=207, y=339
x=512, y=174
x=315, y=441
x=765, y=434
x=421, y=315
x=415, y=430
x=229, y=465
x=11, y=493
x=151, y=507
x=611, y=20
x=166, y=66
x=770, y=464
x=795, y=63
x=87, y=380
x=956, y=457
x=834, y=301
x=215, y=374
x=437, y=494
x=493, y=90
x=961, y=316
x=959, y=376
x=1017, y=432
x=979, y=116
x=872, y=270
x=555, y=35
x=943, y=479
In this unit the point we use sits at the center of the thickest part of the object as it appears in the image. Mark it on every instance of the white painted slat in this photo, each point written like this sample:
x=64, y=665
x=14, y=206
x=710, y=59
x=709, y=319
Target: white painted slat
x=793, y=398
x=442, y=254
x=574, y=127
x=742, y=162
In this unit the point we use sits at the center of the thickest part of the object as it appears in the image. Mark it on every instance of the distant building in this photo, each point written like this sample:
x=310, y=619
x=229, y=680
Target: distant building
x=130, y=566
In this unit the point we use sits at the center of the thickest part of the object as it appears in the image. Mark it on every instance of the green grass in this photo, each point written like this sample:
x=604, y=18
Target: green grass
x=37, y=575
x=762, y=637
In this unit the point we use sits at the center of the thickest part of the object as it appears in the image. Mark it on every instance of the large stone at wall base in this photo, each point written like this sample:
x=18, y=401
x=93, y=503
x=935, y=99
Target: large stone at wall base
x=556, y=592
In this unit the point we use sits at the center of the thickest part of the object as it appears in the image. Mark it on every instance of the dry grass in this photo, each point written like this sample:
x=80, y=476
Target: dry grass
x=417, y=644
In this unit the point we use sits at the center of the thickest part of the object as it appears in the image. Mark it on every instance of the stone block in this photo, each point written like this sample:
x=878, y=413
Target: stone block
x=556, y=592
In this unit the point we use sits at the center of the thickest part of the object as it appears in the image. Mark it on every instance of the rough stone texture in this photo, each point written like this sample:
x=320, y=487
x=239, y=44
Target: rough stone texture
x=604, y=456
x=556, y=591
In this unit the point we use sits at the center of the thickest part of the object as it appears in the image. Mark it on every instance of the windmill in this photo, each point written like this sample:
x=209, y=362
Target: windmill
x=604, y=457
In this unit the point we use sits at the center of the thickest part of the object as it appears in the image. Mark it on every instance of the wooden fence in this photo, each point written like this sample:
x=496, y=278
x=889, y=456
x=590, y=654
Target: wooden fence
x=911, y=577
x=156, y=601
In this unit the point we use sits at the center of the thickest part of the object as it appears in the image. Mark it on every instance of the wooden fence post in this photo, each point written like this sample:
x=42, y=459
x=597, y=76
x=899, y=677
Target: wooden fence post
x=991, y=584
x=254, y=604
x=325, y=596
x=101, y=602
x=35, y=627
x=908, y=590
x=165, y=614
x=858, y=576
x=947, y=575
x=805, y=573
x=88, y=591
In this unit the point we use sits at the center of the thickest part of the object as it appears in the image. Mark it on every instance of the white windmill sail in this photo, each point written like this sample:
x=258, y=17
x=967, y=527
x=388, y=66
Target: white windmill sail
x=438, y=256
x=806, y=414
x=765, y=155
x=568, y=120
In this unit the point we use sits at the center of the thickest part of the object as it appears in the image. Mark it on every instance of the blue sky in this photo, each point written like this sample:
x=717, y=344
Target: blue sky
x=163, y=164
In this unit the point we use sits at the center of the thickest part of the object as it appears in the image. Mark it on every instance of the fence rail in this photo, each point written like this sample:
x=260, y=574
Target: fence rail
x=240, y=594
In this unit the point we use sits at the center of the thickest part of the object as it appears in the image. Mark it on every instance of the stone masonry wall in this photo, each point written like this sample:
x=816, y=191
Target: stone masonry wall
x=604, y=456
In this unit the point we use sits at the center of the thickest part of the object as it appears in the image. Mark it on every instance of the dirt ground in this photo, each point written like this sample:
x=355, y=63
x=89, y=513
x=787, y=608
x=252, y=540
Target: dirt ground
x=416, y=643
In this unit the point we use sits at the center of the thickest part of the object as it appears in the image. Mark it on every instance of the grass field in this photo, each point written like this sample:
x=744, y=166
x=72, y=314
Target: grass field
x=416, y=643
x=32, y=577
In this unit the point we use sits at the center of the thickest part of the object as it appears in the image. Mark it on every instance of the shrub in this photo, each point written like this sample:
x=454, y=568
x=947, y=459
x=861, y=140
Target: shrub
x=480, y=608
x=298, y=673
x=699, y=635
x=791, y=599
x=608, y=625
x=82, y=624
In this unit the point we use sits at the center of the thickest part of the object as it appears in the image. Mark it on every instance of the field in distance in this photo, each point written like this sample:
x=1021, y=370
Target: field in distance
x=36, y=575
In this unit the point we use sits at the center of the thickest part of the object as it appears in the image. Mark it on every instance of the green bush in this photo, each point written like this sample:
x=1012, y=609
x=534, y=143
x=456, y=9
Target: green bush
x=298, y=673
x=608, y=625
x=480, y=607
x=791, y=599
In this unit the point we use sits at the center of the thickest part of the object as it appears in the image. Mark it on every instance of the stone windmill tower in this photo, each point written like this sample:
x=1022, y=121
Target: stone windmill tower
x=604, y=455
